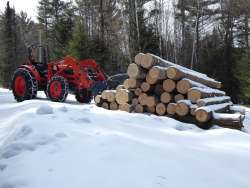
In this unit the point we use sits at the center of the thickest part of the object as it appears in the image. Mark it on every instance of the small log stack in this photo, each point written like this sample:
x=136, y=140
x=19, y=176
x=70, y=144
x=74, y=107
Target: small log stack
x=157, y=86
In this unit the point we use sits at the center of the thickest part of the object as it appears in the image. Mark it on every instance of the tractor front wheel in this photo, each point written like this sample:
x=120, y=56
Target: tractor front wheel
x=57, y=89
x=84, y=96
x=24, y=85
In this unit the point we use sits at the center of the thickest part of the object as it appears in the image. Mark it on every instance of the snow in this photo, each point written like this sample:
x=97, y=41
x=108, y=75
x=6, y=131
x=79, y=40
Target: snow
x=215, y=99
x=215, y=107
x=208, y=90
x=47, y=145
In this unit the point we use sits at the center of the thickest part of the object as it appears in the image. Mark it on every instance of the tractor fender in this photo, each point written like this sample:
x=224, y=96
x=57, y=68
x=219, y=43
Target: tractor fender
x=33, y=70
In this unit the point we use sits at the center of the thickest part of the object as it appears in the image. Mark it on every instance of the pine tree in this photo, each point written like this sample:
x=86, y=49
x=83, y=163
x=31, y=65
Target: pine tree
x=9, y=46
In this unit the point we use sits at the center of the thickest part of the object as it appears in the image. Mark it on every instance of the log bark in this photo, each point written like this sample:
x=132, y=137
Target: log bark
x=138, y=58
x=166, y=97
x=183, y=108
x=232, y=121
x=150, y=60
x=158, y=72
x=195, y=94
x=169, y=85
x=192, y=109
x=136, y=72
x=185, y=84
x=120, y=87
x=177, y=74
x=123, y=96
x=171, y=108
x=204, y=114
x=213, y=100
x=179, y=97
x=158, y=89
x=161, y=109
x=237, y=109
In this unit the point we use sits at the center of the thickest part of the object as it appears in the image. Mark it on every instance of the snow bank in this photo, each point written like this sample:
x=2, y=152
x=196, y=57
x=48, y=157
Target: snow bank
x=86, y=146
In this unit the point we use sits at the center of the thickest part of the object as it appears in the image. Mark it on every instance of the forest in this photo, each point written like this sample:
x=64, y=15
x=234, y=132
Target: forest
x=210, y=36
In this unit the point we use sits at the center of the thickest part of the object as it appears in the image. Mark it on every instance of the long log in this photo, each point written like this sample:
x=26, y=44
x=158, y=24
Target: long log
x=169, y=85
x=196, y=93
x=171, y=108
x=161, y=109
x=204, y=114
x=120, y=87
x=158, y=72
x=176, y=73
x=233, y=121
x=138, y=58
x=183, y=107
x=237, y=109
x=166, y=97
x=123, y=96
x=150, y=60
x=213, y=100
x=135, y=71
x=185, y=84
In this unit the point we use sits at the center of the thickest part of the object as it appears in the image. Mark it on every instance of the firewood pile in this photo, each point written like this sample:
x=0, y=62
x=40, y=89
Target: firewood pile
x=163, y=88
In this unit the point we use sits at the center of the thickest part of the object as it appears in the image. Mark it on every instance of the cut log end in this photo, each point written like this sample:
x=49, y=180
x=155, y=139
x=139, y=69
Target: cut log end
x=139, y=108
x=114, y=106
x=202, y=116
x=145, y=86
x=179, y=97
x=138, y=58
x=169, y=85
x=161, y=109
x=194, y=95
x=166, y=97
x=147, y=61
x=182, y=109
x=183, y=86
x=105, y=105
x=171, y=108
x=172, y=73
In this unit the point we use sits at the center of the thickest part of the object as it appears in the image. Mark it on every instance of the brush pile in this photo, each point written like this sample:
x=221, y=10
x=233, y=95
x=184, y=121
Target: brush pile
x=163, y=88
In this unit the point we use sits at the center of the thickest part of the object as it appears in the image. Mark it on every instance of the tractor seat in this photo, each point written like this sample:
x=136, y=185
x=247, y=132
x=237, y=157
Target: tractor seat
x=42, y=68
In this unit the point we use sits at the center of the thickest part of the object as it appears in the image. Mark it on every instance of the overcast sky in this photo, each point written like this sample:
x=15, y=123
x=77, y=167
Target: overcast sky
x=29, y=6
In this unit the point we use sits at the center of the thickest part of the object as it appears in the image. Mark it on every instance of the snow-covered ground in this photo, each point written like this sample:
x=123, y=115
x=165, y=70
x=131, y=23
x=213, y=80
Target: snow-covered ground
x=50, y=145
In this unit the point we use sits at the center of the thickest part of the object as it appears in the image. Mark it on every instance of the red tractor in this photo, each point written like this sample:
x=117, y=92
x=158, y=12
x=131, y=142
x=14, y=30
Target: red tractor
x=57, y=78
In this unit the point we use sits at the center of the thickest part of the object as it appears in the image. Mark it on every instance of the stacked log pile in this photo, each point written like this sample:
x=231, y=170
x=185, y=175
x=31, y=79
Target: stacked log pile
x=163, y=88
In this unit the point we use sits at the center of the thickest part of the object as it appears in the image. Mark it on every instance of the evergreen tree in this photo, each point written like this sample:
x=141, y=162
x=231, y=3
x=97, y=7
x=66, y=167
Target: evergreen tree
x=9, y=46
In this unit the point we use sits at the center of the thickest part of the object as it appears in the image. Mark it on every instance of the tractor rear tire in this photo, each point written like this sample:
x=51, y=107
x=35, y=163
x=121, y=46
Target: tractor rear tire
x=57, y=89
x=24, y=85
x=84, y=96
